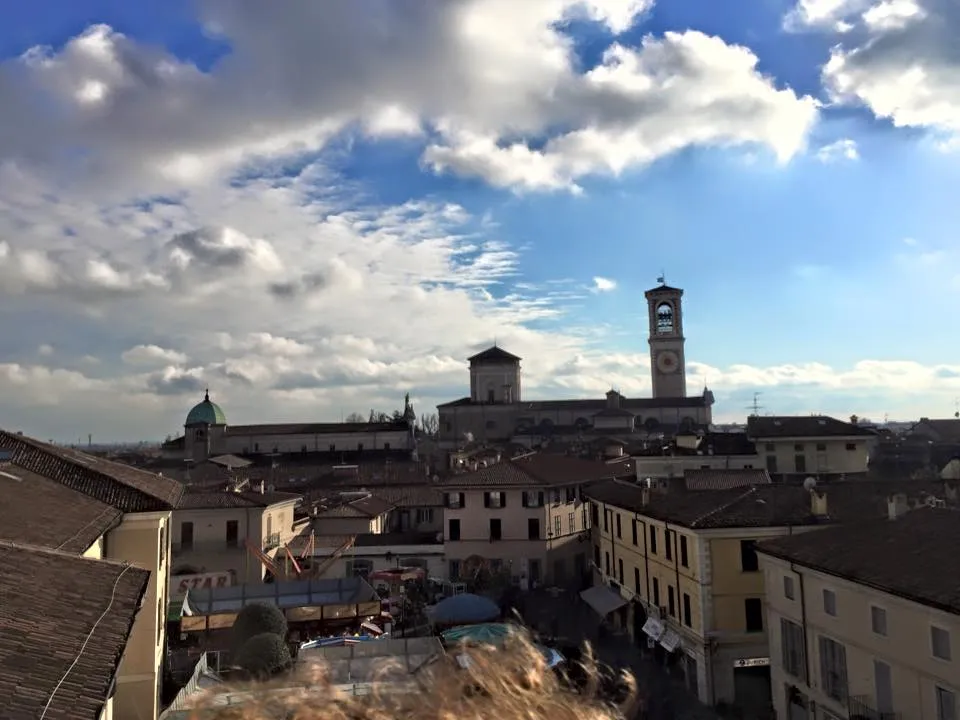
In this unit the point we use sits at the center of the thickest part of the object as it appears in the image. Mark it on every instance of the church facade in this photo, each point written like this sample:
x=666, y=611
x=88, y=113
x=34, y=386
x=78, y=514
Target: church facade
x=496, y=412
x=207, y=435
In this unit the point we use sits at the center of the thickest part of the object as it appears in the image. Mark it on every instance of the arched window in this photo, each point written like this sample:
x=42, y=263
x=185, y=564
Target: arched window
x=665, y=324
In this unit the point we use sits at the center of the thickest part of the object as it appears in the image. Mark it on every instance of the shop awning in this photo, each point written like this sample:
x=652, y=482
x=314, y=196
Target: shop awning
x=602, y=599
x=653, y=628
x=670, y=641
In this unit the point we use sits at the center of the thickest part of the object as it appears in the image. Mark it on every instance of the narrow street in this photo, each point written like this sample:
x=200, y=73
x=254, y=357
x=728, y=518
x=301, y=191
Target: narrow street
x=667, y=698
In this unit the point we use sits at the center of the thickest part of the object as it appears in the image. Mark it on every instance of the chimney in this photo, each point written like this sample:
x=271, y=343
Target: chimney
x=818, y=503
x=897, y=506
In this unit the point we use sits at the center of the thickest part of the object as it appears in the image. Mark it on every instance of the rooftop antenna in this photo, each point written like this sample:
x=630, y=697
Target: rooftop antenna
x=663, y=278
x=755, y=407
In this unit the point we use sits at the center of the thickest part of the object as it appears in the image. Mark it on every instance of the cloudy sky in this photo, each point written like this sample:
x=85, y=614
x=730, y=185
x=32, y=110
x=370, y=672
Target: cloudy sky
x=315, y=206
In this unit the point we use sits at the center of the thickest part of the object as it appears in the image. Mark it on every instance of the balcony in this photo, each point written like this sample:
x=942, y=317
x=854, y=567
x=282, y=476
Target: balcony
x=271, y=541
x=860, y=707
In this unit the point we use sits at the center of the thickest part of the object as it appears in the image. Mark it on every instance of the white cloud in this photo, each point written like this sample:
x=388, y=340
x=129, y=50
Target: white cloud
x=602, y=284
x=898, y=59
x=489, y=78
x=45, y=350
x=152, y=355
x=843, y=149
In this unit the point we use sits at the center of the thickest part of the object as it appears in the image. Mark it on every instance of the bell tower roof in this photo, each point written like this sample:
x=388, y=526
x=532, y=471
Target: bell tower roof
x=493, y=354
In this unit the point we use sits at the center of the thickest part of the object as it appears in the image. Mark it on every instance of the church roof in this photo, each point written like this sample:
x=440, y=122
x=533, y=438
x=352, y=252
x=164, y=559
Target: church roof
x=663, y=288
x=493, y=355
x=206, y=413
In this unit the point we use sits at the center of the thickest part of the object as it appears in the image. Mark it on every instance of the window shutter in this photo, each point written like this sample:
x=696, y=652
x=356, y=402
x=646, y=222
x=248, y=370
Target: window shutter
x=446, y=499
x=486, y=499
x=503, y=499
x=524, y=499
x=463, y=500
x=540, y=498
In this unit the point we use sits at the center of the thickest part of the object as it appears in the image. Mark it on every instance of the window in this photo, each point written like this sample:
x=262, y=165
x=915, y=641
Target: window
x=424, y=516
x=186, y=535
x=333, y=447
x=454, y=569
x=878, y=620
x=533, y=529
x=490, y=396
x=940, y=643
x=596, y=556
x=772, y=464
x=594, y=514
x=636, y=580
x=883, y=682
x=556, y=497
x=606, y=563
x=748, y=556
x=798, y=447
x=686, y=610
x=619, y=529
x=684, y=556
x=633, y=528
x=800, y=463
x=496, y=529
x=455, y=500
x=668, y=543
x=769, y=447
x=821, y=447
x=830, y=602
x=788, y=590
x=571, y=494
x=453, y=532
x=653, y=539
x=233, y=533
x=557, y=526
x=620, y=570
x=606, y=520
x=494, y=499
x=833, y=669
x=533, y=499
x=571, y=522
x=656, y=592
x=792, y=647
x=671, y=603
x=851, y=446
x=753, y=610
x=359, y=567
x=946, y=704
x=359, y=447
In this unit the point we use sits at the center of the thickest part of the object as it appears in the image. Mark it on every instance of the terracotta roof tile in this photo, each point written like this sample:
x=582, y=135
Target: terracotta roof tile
x=64, y=623
x=812, y=426
x=536, y=469
x=122, y=486
x=723, y=478
x=42, y=512
x=198, y=499
x=913, y=556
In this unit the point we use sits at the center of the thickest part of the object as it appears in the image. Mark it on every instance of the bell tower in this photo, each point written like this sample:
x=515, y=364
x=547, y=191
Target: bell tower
x=667, y=364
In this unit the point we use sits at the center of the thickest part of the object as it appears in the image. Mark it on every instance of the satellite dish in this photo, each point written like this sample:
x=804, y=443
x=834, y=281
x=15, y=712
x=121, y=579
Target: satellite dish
x=809, y=483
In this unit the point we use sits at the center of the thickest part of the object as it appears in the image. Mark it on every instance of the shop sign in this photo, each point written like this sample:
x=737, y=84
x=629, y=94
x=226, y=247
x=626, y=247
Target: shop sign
x=752, y=662
x=201, y=581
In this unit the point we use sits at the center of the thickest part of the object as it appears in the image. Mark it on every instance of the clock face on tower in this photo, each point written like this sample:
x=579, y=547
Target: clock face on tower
x=667, y=362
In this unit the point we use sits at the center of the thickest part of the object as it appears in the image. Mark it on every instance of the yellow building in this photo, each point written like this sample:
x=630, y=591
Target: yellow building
x=798, y=447
x=525, y=516
x=685, y=567
x=865, y=619
x=66, y=500
x=212, y=530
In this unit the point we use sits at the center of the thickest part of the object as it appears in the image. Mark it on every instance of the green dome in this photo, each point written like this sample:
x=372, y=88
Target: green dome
x=206, y=413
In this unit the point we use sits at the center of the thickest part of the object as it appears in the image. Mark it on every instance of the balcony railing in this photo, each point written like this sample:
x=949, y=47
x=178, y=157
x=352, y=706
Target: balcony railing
x=860, y=707
x=271, y=541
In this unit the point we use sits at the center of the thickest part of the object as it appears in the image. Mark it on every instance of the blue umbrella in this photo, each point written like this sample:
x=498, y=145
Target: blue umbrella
x=465, y=608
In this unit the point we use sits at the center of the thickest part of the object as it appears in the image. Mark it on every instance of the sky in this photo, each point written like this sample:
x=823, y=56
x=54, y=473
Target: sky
x=312, y=208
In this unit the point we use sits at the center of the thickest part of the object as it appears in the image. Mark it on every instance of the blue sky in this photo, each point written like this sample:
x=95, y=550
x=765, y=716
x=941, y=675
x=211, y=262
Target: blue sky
x=800, y=269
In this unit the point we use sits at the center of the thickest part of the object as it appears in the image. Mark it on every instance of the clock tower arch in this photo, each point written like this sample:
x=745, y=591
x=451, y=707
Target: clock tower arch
x=667, y=363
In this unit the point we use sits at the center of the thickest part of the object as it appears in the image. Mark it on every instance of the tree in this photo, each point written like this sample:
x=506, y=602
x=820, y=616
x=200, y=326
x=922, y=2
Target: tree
x=255, y=619
x=429, y=424
x=264, y=655
x=355, y=417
